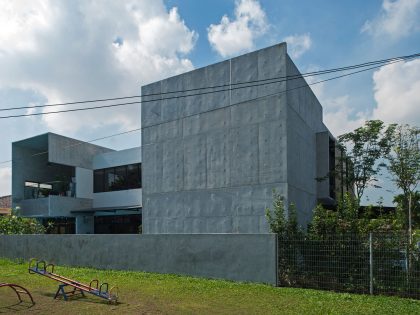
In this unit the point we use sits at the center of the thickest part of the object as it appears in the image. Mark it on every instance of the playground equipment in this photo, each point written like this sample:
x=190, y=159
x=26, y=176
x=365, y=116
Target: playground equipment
x=42, y=268
x=18, y=290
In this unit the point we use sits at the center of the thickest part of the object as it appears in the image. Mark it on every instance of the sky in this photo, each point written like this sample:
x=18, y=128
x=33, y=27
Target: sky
x=54, y=51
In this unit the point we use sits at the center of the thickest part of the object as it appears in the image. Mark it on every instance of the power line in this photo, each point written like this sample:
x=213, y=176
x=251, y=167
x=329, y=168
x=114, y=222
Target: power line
x=82, y=142
x=276, y=93
x=204, y=93
x=181, y=96
x=298, y=76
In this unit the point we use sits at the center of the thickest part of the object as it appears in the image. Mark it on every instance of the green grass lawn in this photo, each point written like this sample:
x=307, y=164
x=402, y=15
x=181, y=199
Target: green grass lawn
x=148, y=293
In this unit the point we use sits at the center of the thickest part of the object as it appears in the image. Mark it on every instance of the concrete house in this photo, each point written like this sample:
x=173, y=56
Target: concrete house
x=80, y=187
x=212, y=156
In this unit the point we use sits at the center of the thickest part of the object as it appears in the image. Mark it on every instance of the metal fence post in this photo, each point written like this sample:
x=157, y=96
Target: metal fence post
x=370, y=264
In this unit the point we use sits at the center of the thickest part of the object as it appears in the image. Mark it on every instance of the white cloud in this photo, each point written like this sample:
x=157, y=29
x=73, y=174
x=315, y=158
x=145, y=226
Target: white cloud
x=5, y=180
x=75, y=50
x=231, y=37
x=55, y=51
x=397, y=93
x=298, y=44
x=397, y=19
x=339, y=117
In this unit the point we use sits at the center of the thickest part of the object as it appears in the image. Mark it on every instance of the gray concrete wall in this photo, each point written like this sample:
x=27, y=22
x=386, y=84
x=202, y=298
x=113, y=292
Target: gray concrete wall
x=85, y=224
x=53, y=206
x=29, y=165
x=210, y=162
x=72, y=152
x=117, y=158
x=121, y=198
x=304, y=121
x=241, y=257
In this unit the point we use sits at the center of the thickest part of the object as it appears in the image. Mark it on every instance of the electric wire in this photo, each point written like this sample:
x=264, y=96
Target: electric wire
x=298, y=76
x=181, y=96
x=200, y=93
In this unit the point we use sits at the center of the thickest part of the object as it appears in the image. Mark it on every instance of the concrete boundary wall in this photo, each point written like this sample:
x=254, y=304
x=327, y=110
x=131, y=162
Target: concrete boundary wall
x=240, y=257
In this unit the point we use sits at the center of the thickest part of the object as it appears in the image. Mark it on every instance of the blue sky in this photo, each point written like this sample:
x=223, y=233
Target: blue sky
x=59, y=51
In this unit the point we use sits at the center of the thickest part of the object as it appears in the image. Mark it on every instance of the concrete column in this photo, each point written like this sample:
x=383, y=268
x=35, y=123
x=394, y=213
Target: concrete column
x=85, y=224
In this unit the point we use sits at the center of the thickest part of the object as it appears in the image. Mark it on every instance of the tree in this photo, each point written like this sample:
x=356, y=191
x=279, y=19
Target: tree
x=363, y=148
x=404, y=163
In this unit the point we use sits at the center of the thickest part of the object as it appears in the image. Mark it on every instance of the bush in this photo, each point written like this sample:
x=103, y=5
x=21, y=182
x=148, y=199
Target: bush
x=278, y=222
x=15, y=224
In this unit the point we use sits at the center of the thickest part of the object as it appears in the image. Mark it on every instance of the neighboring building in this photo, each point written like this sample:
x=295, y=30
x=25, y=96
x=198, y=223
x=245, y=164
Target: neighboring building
x=78, y=186
x=212, y=160
x=5, y=205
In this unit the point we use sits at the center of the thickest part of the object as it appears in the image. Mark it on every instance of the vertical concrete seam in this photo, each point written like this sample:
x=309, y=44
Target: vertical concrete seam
x=230, y=81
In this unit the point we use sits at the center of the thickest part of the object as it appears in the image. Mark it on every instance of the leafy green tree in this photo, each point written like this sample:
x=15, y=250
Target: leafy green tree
x=15, y=224
x=404, y=163
x=363, y=147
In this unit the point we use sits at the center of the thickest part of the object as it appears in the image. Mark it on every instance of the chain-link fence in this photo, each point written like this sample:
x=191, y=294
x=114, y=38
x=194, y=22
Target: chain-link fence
x=375, y=264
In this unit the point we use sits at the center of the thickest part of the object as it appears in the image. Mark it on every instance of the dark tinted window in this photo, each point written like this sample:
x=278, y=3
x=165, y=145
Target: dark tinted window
x=98, y=182
x=117, y=178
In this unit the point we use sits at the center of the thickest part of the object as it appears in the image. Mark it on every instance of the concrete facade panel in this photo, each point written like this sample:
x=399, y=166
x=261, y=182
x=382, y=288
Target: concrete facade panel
x=195, y=162
x=244, y=155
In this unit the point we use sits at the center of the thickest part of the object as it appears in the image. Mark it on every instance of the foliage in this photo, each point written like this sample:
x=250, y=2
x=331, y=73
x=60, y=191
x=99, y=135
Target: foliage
x=15, y=224
x=404, y=163
x=404, y=158
x=347, y=219
x=402, y=208
x=363, y=147
x=277, y=221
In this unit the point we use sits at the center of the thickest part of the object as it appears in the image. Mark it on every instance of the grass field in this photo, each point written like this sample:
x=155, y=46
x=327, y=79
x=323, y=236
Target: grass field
x=147, y=293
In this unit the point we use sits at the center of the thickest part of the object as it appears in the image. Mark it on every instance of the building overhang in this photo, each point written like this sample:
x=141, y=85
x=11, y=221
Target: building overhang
x=92, y=211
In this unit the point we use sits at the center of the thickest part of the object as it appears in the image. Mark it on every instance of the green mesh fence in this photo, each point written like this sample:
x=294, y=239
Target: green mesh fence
x=375, y=264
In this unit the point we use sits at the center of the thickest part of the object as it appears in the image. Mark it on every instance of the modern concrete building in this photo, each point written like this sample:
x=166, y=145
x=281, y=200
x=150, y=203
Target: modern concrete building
x=80, y=187
x=212, y=156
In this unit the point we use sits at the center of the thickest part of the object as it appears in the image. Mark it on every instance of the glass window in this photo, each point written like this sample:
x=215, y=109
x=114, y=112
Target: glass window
x=117, y=178
x=120, y=181
x=109, y=179
x=133, y=176
x=99, y=179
